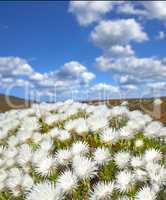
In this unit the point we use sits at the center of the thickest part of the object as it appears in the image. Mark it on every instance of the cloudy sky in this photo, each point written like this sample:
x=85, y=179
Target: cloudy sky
x=83, y=49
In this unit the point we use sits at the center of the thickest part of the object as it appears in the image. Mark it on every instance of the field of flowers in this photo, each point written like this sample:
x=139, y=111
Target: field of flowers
x=75, y=151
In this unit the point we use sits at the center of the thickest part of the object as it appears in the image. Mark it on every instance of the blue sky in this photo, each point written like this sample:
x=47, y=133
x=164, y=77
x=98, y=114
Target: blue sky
x=91, y=49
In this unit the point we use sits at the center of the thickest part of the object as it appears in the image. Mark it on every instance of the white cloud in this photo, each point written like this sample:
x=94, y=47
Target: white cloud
x=131, y=9
x=117, y=32
x=118, y=50
x=155, y=9
x=14, y=66
x=15, y=71
x=160, y=36
x=88, y=12
x=134, y=70
x=101, y=87
x=148, y=9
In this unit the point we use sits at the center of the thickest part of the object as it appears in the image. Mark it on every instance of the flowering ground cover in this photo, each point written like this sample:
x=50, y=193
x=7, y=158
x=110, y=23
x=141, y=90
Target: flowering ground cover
x=78, y=151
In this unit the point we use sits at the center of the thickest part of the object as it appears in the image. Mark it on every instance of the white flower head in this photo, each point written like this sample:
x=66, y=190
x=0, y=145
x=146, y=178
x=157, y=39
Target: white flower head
x=84, y=167
x=97, y=122
x=153, y=129
x=126, y=133
x=141, y=175
x=67, y=182
x=102, y=155
x=44, y=190
x=24, y=154
x=46, y=166
x=109, y=135
x=81, y=126
x=79, y=148
x=122, y=159
x=102, y=190
x=125, y=181
x=46, y=144
x=54, y=132
x=63, y=156
x=64, y=135
x=152, y=155
x=137, y=162
x=146, y=193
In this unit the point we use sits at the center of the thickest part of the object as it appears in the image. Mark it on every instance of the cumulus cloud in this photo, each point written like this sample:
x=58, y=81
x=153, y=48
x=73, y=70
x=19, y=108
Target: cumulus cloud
x=148, y=9
x=155, y=9
x=87, y=12
x=118, y=32
x=15, y=71
x=14, y=66
x=118, y=50
x=133, y=69
x=131, y=9
x=105, y=87
x=160, y=36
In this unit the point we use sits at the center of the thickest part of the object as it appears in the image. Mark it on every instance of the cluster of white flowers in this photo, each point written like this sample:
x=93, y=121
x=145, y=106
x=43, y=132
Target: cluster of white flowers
x=77, y=151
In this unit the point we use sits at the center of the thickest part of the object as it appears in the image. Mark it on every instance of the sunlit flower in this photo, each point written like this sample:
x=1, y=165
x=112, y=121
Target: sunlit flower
x=63, y=156
x=125, y=181
x=84, y=167
x=102, y=155
x=102, y=190
x=146, y=193
x=43, y=191
x=152, y=155
x=67, y=182
x=122, y=159
x=79, y=148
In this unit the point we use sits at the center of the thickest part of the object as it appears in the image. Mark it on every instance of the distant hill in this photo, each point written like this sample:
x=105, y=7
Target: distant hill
x=11, y=102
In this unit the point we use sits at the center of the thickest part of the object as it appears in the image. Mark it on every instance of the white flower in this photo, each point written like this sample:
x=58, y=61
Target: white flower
x=67, y=182
x=36, y=137
x=84, y=167
x=125, y=181
x=70, y=125
x=146, y=193
x=126, y=133
x=54, y=132
x=81, y=126
x=122, y=159
x=46, y=166
x=39, y=155
x=46, y=144
x=152, y=155
x=137, y=162
x=124, y=198
x=24, y=154
x=102, y=191
x=109, y=135
x=63, y=156
x=50, y=119
x=79, y=148
x=102, y=155
x=141, y=175
x=157, y=174
x=3, y=178
x=153, y=129
x=96, y=122
x=13, y=141
x=13, y=181
x=43, y=191
x=63, y=135
x=27, y=182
